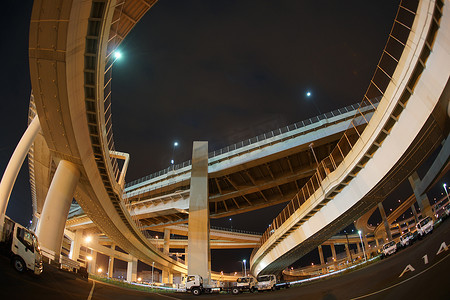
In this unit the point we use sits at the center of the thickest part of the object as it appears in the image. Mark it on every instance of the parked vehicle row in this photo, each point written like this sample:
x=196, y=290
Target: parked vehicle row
x=423, y=227
x=195, y=285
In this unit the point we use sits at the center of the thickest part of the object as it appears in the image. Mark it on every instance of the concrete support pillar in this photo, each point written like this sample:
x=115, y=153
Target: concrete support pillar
x=377, y=242
x=166, y=247
x=322, y=260
x=347, y=250
x=132, y=270
x=186, y=255
x=333, y=253
x=75, y=245
x=167, y=276
x=385, y=222
x=366, y=244
x=413, y=209
x=92, y=264
x=14, y=165
x=111, y=263
x=199, y=255
x=422, y=200
x=358, y=247
x=56, y=207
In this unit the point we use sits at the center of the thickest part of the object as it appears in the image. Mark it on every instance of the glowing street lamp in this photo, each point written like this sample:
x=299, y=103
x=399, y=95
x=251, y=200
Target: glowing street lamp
x=175, y=144
x=245, y=268
x=362, y=244
x=88, y=239
x=117, y=55
x=99, y=270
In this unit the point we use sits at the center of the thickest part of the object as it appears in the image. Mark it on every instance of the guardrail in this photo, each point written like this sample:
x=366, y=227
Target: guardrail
x=377, y=87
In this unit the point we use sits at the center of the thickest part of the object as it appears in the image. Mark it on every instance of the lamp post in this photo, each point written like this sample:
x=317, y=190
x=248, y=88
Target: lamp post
x=175, y=144
x=245, y=268
x=362, y=244
x=446, y=192
x=231, y=222
x=317, y=162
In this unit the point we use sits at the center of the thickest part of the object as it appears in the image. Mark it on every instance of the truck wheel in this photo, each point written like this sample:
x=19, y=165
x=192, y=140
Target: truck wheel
x=235, y=291
x=18, y=264
x=196, y=291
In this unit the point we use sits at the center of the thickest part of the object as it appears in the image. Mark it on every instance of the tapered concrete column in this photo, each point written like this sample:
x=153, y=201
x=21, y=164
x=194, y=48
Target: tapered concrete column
x=75, y=245
x=358, y=247
x=385, y=222
x=56, y=207
x=366, y=244
x=376, y=241
x=199, y=261
x=92, y=264
x=14, y=165
x=132, y=270
x=333, y=252
x=322, y=260
x=167, y=276
x=347, y=250
x=422, y=200
x=413, y=209
x=186, y=255
x=111, y=263
x=166, y=246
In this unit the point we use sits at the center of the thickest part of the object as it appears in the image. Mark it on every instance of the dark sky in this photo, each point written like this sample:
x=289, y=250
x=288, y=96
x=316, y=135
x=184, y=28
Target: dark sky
x=219, y=71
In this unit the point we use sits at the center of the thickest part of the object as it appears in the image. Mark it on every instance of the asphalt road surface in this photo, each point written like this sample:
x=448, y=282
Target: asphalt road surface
x=420, y=271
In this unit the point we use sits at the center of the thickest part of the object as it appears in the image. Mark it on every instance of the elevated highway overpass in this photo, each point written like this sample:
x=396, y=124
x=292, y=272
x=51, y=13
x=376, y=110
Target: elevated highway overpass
x=71, y=102
x=411, y=120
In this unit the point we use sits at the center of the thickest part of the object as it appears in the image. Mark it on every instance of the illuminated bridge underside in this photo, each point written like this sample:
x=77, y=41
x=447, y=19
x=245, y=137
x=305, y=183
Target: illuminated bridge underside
x=356, y=188
x=262, y=174
x=70, y=48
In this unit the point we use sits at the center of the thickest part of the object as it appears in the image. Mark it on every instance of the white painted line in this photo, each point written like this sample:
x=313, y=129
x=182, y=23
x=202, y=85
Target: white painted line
x=401, y=282
x=92, y=290
x=167, y=296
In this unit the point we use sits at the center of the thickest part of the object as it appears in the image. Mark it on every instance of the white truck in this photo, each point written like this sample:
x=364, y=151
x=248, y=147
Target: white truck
x=194, y=284
x=406, y=239
x=22, y=246
x=266, y=282
x=244, y=284
x=388, y=249
x=425, y=226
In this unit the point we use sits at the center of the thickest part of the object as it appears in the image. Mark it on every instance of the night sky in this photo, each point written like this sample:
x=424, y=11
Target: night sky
x=218, y=71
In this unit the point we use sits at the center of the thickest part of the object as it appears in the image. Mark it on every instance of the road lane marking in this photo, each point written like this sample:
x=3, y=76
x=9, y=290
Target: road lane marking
x=167, y=296
x=92, y=290
x=401, y=282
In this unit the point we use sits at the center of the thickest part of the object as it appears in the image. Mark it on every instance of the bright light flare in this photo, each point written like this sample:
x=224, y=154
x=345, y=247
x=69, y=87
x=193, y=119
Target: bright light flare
x=117, y=55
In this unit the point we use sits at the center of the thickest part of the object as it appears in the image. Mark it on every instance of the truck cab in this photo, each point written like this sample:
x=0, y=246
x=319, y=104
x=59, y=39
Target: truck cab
x=425, y=226
x=244, y=284
x=389, y=249
x=266, y=282
x=22, y=246
x=406, y=239
x=194, y=284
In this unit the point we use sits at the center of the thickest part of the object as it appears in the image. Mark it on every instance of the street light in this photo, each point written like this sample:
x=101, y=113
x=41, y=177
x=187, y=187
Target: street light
x=445, y=188
x=317, y=162
x=245, y=268
x=88, y=239
x=231, y=222
x=362, y=244
x=175, y=144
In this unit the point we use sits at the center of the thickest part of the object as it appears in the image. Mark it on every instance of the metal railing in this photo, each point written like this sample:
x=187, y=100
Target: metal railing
x=259, y=138
x=377, y=87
